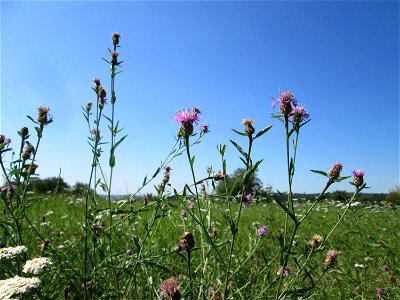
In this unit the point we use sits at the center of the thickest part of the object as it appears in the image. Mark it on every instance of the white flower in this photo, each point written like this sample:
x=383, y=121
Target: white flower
x=10, y=252
x=17, y=286
x=35, y=266
x=361, y=266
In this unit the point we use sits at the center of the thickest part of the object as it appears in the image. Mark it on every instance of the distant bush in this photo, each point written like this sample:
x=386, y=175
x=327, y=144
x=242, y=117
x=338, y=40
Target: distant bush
x=53, y=184
x=394, y=196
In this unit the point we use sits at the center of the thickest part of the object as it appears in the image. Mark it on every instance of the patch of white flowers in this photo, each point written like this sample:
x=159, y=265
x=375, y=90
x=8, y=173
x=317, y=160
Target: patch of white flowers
x=11, y=252
x=17, y=286
x=37, y=265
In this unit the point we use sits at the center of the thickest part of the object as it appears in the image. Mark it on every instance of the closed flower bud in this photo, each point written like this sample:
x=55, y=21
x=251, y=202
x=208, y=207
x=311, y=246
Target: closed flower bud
x=187, y=240
x=24, y=132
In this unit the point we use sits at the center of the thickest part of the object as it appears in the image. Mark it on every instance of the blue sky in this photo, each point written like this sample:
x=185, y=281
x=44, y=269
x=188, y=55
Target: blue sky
x=340, y=59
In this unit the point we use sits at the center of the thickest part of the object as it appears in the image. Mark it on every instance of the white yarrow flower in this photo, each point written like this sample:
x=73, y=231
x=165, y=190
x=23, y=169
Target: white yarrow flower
x=17, y=286
x=35, y=266
x=10, y=252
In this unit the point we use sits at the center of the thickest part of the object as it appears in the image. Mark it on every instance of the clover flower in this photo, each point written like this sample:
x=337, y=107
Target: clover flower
x=331, y=258
x=262, y=231
x=334, y=173
x=358, y=179
x=299, y=114
x=17, y=286
x=169, y=288
x=11, y=252
x=37, y=265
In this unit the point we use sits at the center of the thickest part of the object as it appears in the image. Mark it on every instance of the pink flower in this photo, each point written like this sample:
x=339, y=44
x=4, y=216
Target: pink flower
x=262, y=231
x=169, y=288
x=358, y=179
x=187, y=116
x=286, y=102
x=299, y=114
x=334, y=173
x=204, y=128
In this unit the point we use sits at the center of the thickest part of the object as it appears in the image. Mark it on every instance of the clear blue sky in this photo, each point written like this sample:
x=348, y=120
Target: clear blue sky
x=340, y=59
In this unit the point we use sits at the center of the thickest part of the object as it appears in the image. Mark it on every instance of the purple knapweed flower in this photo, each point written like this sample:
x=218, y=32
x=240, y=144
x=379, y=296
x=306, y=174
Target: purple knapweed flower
x=286, y=102
x=331, y=257
x=178, y=247
x=284, y=271
x=379, y=292
x=334, y=173
x=190, y=205
x=4, y=140
x=358, y=179
x=184, y=213
x=262, y=231
x=385, y=268
x=187, y=118
x=299, y=114
x=204, y=128
x=169, y=288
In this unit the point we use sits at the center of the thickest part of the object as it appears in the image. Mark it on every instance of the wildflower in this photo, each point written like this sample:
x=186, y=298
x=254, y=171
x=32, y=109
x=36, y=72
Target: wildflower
x=17, y=286
x=30, y=168
x=357, y=289
x=316, y=240
x=26, y=154
x=169, y=288
x=385, y=268
x=360, y=266
x=43, y=117
x=37, y=265
x=187, y=240
x=3, y=140
x=166, y=175
x=186, y=118
x=178, y=247
x=204, y=128
x=284, y=271
x=299, y=114
x=248, y=126
x=45, y=244
x=358, y=179
x=24, y=132
x=334, y=173
x=331, y=257
x=11, y=252
x=87, y=284
x=96, y=81
x=8, y=189
x=115, y=38
x=286, y=103
x=184, y=213
x=379, y=292
x=203, y=187
x=89, y=106
x=248, y=199
x=114, y=58
x=101, y=96
x=98, y=229
x=219, y=176
x=190, y=205
x=262, y=231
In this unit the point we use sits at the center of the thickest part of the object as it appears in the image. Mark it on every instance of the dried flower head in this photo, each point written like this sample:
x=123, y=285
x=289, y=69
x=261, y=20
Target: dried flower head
x=284, y=271
x=114, y=58
x=101, y=96
x=115, y=36
x=37, y=265
x=262, y=231
x=45, y=244
x=96, y=81
x=331, y=258
x=334, y=173
x=30, y=168
x=26, y=154
x=17, y=286
x=358, y=179
x=24, y=132
x=204, y=128
x=248, y=126
x=89, y=106
x=169, y=288
x=187, y=240
x=219, y=176
x=316, y=240
x=43, y=115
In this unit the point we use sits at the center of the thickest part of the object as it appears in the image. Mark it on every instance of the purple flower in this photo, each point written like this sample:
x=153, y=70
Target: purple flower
x=187, y=116
x=204, y=127
x=331, y=257
x=358, y=179
x=299, y=114
x=169, y=288
x=286, y=102
x=178, y=247
x=334, y=173
x=184, y=213
x=262, y=231
x=385, y=268
x=379, y=292
x=190, y=205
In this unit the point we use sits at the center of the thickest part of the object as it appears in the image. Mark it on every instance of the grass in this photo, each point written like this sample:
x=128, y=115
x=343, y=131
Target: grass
x=368, y=238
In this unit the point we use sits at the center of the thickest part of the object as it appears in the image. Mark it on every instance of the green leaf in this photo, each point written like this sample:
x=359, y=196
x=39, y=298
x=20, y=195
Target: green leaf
x=192, y=161
x=39, y=132
x=144, y=181
x=262, y=132
x=321, y=172
x=248, y=175
x=112, y=160
x=34, y=121
x=119, y=142
x=224, y=166
x=240, y=149
x=241, y=133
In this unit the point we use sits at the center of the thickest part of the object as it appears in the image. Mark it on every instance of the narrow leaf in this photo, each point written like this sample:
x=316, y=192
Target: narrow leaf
x=263, y=131
x=238, y=132
x=240, y=149
x=321, y=172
